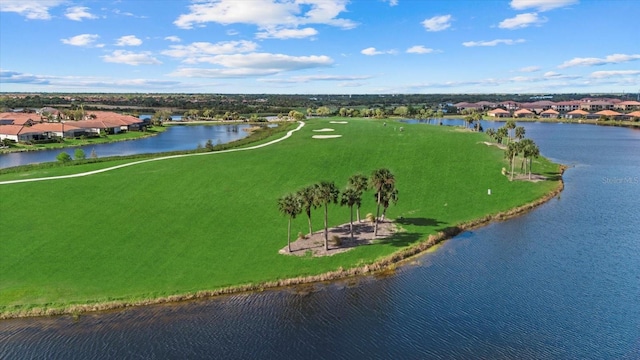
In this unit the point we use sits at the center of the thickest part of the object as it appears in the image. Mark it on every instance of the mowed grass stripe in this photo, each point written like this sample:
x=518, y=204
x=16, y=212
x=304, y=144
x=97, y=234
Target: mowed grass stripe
x=205, y=222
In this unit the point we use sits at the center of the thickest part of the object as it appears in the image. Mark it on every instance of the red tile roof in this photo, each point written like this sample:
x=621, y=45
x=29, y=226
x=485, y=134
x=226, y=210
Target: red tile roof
x=608, y=113
x=20, y=118
x=578, y=112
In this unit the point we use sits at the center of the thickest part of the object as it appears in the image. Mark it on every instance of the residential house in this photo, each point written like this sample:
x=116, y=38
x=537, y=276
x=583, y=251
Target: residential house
x=523, y=113
x=499, y=113
x=566, y=106
x=509, y=105
x=576, y=114
x=614, y=115
x=549, y=114
x=597, y=105
x=13, y=118
x=633, y=115
x=627, y=105
x=19, y=133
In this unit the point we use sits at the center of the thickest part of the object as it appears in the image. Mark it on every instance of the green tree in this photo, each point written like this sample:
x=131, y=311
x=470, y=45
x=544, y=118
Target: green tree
x=289, y=205
x=79, y=154
x=510, y=125
x=388, y=198
x=160, y=117
x=309, y=199
x=383, y=182
x=327, y=194
x=360, y=184
x=401, y=111
x=529, y=151
x=519, y=132
x=350, y=197
x=501, y=134
x=63, y=157
x=513, y=149
x=323, y=111
x=491, y=133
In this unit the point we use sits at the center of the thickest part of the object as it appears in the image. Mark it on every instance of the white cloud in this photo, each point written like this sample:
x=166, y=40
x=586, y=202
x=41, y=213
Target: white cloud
x=392, y=2
x=31, y=9
x=131, y=58
x=437, y=23
x=493, y=42
x=83, y=82
x=81, y=40
x=198, y=52
x=371, y=51
x=613, y=73
x=609, y=59
x=255, y=64
x=173, y=38
x=77, y=13
x=281, y=18
x=528, y=69
x=128, y=40
x=287, y=33
x=541, y=5
x=521, y=21
x=551, y=74
x=310, y=78
x=419, y=49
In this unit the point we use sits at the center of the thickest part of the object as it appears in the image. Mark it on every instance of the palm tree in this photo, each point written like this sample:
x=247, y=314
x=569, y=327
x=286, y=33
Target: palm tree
x=510, y=125
x=477, y=117
x=513, y=149
x=501, y=134
x=327, y=193
x=387, y=198
x=529, y=151
x=360, y=184
x=383, y=182
x=350, y=197
x=309, y=199
x=491, y=133
x=519, y=131
x=289, y=205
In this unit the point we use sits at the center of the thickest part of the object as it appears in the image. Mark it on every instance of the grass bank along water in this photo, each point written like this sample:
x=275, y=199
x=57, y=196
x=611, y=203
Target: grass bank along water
x=199, y=226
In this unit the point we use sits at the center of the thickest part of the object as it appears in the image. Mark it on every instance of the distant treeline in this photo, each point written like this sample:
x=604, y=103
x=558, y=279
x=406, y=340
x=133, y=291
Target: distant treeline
x=260, y=103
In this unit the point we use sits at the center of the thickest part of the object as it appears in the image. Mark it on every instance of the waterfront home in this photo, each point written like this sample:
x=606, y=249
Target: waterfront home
x=549, y=114
x=614, y=115
x=523, y=113
x=499, y=113
x=19, y=133
x=633, y=115
x=576, y=114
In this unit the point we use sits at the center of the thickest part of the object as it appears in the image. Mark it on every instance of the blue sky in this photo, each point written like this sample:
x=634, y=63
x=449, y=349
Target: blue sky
x=320, y=46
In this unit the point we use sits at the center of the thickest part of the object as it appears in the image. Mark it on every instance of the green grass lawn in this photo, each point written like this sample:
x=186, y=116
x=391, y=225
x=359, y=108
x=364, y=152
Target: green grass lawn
x=205, y=222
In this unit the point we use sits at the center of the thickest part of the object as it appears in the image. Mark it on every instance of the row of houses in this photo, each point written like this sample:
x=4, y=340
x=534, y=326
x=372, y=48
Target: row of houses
x=562, y=107
x=554, y=114
x=29, y=127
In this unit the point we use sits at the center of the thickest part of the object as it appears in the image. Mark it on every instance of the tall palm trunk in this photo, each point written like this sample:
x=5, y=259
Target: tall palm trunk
x=309, y=218
x=289, y=235
x=326, y=230
x=513, y=161
x=530, y=160
x=358, y=213
x=351, y=223
x=375, y=225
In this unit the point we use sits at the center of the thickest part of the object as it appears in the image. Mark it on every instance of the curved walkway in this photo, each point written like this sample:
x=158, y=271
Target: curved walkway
x=288, y=135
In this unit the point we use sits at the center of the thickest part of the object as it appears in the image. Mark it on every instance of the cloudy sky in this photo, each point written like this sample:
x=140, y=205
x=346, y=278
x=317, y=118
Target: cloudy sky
x=320, y=46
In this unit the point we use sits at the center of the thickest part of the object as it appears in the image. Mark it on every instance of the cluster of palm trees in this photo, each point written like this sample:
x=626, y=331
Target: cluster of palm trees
x=516, y=145
x=321, y=194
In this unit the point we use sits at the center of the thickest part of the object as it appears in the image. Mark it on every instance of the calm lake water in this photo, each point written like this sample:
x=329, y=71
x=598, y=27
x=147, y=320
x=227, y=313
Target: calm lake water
x=173, y=139
x=561, y=282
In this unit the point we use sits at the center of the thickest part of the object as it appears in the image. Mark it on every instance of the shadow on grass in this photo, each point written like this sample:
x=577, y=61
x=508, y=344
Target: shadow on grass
x=401, y=239
x=418, y=221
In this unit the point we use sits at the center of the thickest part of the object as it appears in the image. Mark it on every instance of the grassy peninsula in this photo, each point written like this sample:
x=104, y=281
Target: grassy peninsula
x=190, y=224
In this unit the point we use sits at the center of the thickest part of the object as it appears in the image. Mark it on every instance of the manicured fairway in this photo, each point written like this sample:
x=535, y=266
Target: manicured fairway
x=200, y=223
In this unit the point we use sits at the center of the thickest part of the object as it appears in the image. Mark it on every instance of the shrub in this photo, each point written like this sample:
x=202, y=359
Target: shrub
x=301, y=236
x=63, y=157
x=79, y=154
x=335, y=239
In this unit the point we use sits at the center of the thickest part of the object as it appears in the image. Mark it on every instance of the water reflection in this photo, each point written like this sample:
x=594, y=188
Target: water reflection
x=175, y=138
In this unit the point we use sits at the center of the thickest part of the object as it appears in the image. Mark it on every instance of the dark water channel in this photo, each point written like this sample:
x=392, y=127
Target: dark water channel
x=173, y=139
x=561, y=282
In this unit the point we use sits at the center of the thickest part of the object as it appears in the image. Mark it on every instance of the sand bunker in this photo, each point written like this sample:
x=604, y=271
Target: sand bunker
x=339, y=122
x=326, y=136
x=325, y=129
